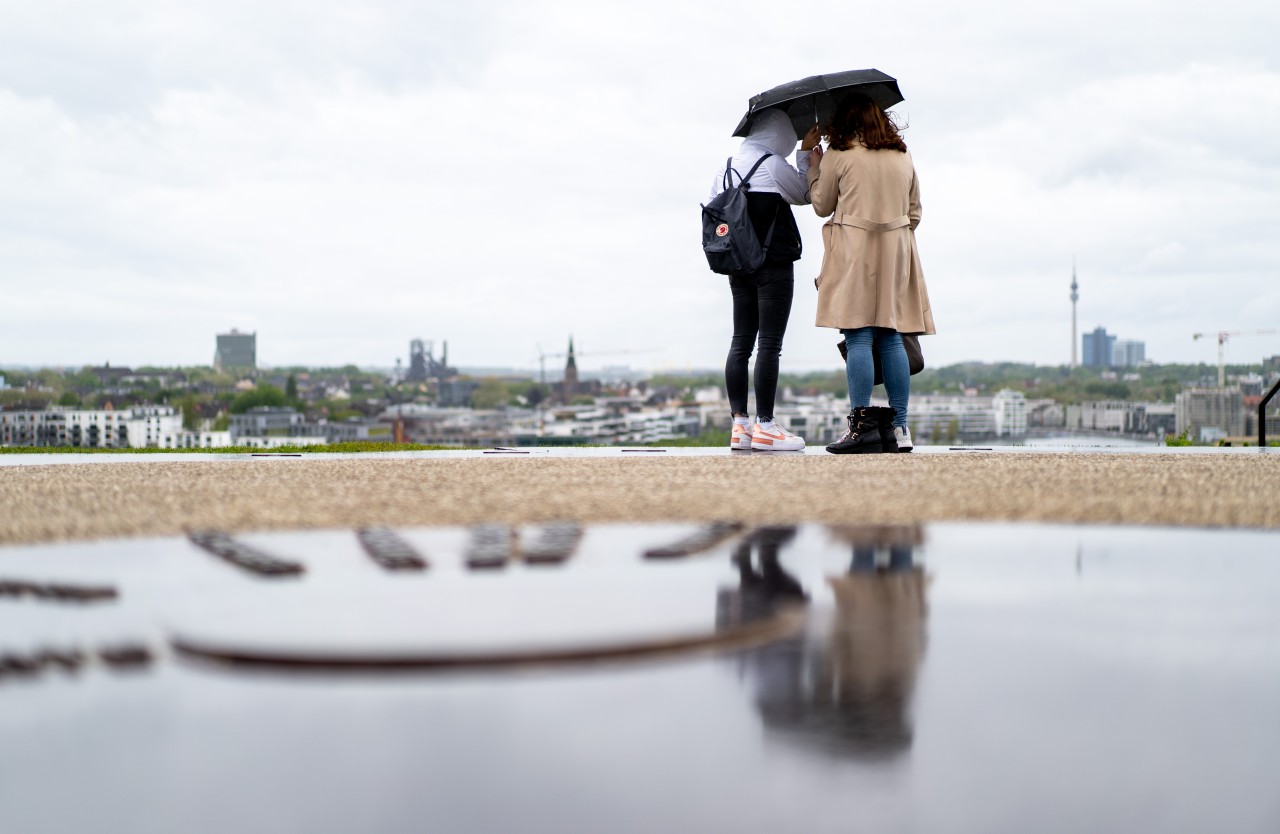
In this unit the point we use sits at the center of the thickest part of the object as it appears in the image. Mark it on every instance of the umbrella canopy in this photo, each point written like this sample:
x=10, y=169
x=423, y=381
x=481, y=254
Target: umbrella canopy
x=813, y=99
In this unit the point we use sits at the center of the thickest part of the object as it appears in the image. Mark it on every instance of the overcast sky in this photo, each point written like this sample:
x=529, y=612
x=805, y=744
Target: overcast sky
x=341, y=177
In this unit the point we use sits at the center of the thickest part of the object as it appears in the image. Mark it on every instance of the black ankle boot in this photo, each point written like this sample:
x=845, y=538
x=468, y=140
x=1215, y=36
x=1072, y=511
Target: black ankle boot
x=884, y=422
x=863, y=436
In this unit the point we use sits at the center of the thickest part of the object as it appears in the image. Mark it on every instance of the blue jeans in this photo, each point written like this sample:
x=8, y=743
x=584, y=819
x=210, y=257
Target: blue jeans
x=901, y=558
x=861, y=374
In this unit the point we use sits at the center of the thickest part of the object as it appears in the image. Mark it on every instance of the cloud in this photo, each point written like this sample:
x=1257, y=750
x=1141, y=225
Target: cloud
x=343, y=177
x=1154, y=181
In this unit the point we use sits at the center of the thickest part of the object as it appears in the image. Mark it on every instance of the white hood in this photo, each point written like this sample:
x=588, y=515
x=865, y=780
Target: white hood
x=771, y=130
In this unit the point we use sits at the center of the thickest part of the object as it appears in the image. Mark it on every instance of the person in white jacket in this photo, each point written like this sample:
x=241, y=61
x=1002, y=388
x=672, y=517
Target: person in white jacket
x=762, y=300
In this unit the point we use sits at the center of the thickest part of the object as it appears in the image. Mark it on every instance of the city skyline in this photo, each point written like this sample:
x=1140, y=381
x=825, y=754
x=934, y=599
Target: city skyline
x=331, y=181
x=1124, y=353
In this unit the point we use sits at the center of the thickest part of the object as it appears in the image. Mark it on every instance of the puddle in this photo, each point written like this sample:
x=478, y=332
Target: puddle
x=949, y=677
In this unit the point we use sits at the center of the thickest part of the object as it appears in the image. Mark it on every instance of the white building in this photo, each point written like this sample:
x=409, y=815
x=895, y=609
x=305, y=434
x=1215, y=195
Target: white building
x=591, y=424
x=137, y=428
x=944, y=419
x=196, y=440
x=1102, y=415
x=1009, y=410
x=148, y=425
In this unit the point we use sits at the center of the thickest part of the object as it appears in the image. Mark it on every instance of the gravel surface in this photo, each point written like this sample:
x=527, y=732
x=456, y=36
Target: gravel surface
x=74, y=502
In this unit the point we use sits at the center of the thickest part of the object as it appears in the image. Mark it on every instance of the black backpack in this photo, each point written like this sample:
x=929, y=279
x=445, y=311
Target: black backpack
x=728, y=238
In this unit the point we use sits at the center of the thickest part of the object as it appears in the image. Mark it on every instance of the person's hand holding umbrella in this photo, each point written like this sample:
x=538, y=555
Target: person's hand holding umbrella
x=810, y=143
x=810, y=140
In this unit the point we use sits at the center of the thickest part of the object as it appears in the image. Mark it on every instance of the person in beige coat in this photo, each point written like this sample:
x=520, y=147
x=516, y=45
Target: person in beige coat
x=871, y=287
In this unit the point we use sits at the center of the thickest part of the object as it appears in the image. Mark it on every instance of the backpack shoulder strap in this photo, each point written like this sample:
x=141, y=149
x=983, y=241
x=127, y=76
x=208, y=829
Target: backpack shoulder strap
x=759, y=162
x=728, y=169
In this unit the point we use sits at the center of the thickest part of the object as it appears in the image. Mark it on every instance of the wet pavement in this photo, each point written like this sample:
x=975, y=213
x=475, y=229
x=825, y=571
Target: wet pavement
x=629, y=678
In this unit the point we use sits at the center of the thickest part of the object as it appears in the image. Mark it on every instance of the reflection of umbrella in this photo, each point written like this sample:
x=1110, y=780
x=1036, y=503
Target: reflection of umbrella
x=813, y=99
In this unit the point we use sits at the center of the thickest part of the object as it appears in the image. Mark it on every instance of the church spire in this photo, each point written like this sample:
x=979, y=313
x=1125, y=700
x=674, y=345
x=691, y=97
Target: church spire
x=570, y=373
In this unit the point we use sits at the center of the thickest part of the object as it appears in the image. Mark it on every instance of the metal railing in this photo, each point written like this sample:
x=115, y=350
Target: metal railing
x=1262, y=415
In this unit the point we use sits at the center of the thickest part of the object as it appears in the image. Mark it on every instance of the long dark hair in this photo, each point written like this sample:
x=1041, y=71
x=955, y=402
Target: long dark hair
x=859, y=120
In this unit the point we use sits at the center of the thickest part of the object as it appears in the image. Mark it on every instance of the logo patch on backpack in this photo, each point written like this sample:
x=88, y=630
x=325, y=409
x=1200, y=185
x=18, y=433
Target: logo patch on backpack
x=722, y=230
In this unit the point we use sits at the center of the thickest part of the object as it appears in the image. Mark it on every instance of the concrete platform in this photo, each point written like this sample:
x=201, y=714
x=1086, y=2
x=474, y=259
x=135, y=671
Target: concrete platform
x=111, y=496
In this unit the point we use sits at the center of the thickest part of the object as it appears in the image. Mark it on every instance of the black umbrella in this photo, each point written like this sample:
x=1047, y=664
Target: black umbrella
x=814, y=99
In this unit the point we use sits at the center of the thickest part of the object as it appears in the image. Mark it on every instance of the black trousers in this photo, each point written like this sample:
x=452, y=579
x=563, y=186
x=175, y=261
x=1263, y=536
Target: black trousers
x=761, y=307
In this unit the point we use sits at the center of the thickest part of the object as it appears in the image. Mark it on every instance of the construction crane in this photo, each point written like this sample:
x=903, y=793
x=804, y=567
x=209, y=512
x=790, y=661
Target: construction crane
x=543, y=357
x=1223, y=335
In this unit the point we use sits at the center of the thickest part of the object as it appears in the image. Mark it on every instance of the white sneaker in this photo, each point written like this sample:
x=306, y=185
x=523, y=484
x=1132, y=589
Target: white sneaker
x=741, y=437
x=777, y=439
x=903, y=436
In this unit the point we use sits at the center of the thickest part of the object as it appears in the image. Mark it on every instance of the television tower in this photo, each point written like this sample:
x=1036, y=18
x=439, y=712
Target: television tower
x=1075, y=296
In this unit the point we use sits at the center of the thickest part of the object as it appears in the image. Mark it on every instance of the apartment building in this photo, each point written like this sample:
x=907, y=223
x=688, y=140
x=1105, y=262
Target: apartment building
x=1210, y=414
x=946, y=419
x=268, y=421
x=138, y=428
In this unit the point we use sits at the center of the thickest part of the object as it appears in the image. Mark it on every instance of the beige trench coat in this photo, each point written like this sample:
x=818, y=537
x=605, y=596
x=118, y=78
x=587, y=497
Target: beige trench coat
x=871, y=273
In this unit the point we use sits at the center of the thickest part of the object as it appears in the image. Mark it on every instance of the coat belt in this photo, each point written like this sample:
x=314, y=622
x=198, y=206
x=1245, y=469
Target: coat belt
x=862, y=223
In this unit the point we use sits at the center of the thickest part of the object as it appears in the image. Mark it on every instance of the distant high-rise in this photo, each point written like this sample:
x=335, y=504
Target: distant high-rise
x=1098, y=346
x=1127, y=353
x=236, y=350
x=1075, y=296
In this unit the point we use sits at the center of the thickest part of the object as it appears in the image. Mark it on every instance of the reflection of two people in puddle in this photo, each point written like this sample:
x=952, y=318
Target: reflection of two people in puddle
x=846, y=686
